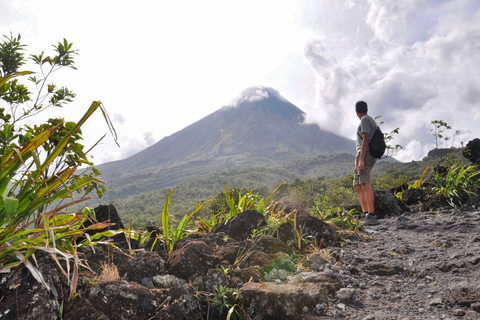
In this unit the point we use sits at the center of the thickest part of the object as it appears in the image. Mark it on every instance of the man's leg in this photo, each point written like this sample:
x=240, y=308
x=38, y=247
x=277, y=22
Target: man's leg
x=369, y=197
x=361, y=197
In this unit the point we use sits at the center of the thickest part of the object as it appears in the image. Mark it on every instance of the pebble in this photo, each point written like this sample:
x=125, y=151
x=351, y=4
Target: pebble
x=273, y=273
x=436, y=302
x=315, y=267
x=458, y=312
x=282, y=274
x=345, y=294
x=341, y=307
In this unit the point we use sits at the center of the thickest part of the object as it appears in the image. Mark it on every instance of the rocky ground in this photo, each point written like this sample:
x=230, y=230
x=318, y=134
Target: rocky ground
x=423, y=265
x=412, y=265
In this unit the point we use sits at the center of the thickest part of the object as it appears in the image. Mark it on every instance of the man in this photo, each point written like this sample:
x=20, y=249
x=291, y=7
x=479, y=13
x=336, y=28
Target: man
x=364, y=163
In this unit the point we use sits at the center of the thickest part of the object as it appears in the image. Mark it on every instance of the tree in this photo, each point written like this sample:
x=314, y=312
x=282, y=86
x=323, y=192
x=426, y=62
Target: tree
x=391, y=150
x=439, y=127
x=39, y=164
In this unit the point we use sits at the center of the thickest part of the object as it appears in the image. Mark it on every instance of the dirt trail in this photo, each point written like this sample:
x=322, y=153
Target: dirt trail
x=416, y=266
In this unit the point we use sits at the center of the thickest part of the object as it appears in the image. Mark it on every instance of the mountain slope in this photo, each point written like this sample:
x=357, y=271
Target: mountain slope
x=260, y=129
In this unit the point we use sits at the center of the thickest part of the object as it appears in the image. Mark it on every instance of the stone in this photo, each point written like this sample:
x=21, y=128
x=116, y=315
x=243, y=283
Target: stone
x=166, y=281
x=465, y=293
x=241, y=226
x=386, y=204
x=108, y=213
x=82, y=309
x=269, y=244
x=458, y=312
x=145, y=264
x=436, y=302
x=312, y=227
x=273, y=273
x=345, y=294
x=282, y=274
x=193, y=258
x=268, y=300
x=211, y=281
x=382, y=269
x=472, y=151
x=240, y=276
x=37, y=302
x=414, y=196
x=114, y=297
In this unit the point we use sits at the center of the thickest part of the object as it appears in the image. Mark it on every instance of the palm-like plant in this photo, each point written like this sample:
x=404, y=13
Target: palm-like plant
x=38, y=168
x=459, y=184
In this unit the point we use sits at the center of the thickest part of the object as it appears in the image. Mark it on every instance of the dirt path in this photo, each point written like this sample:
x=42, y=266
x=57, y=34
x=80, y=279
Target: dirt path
x=417, y=266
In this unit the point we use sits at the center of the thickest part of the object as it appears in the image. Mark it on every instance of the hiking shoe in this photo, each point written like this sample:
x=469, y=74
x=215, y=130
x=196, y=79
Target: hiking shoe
x=370, y=220
x=363, y=215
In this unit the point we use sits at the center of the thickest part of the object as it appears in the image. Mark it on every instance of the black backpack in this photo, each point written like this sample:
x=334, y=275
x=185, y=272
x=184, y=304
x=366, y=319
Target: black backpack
x=377, y=145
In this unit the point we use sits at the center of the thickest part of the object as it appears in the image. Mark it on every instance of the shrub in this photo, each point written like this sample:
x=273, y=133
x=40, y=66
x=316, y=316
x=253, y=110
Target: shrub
x=459, y=184
x=39, y=166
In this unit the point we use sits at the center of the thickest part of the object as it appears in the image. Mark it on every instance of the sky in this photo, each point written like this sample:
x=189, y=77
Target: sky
x=159, y=66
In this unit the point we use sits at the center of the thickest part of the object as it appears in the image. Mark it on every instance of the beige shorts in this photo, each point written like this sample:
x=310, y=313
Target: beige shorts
x=364, y=177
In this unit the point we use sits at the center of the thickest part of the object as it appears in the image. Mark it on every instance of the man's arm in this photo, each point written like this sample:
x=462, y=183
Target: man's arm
x=363, y=152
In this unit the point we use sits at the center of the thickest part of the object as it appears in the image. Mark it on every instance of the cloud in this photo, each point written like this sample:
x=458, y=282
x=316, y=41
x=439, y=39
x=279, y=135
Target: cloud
x=118, y=118
x=412, y=61
x=253, y=94
x=149, y=139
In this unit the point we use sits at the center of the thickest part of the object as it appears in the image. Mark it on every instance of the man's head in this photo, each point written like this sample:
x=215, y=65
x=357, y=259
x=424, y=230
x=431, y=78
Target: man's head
x=361, y=107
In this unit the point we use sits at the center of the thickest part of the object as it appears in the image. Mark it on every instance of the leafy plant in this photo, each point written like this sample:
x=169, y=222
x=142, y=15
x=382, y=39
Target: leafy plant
x=39, y=167
x=459, y=184
x=391, y=150
x=220, y=298
x=170, y=235
x=336, y=215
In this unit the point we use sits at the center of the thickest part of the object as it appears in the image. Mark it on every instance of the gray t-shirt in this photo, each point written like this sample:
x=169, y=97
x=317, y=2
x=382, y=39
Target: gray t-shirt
x=367, y=125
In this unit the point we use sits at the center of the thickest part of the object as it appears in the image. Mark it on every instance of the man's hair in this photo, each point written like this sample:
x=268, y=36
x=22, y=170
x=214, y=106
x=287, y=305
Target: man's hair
x=361, y=107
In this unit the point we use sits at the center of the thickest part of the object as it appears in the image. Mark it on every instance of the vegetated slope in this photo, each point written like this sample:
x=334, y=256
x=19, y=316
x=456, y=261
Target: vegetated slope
x=261, y=130
x=148, y=206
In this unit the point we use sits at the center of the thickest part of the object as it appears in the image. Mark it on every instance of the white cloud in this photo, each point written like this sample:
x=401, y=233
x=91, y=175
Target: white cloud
x=412, y=61
x=159, y=66
x=118, y=118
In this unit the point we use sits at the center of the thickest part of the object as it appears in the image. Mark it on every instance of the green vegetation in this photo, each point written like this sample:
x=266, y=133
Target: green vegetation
x=458, y=185
x=39, y=165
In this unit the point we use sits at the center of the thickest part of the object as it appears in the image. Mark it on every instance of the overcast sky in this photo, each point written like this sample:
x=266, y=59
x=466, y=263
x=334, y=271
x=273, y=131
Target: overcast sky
x=159, y=66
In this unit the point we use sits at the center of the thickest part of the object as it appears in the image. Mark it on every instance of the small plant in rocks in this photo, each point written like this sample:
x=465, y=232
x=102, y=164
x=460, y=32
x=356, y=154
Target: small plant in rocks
x=460, y=184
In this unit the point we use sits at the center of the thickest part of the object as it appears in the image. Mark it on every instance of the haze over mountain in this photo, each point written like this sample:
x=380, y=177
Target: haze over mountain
x=260, y=128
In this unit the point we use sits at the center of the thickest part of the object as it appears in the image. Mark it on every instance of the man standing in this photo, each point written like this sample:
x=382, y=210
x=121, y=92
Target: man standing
x=364, y=163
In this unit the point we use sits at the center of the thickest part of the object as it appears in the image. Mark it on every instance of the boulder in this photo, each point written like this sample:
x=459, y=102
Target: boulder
x=123, y=300
x=82, y=309
x=309, y=226
x=293, y=300
x=242, y=225
x=108, y=213
x=232, y=252
x=269, y=244
x=22, y=297
x=213, y=240
x=211, y=281
x=195, y=257
x=465, y=293
x=386, y=204
x=178, y=302
x=472, y=151
x=145, y=264
x=414, y=196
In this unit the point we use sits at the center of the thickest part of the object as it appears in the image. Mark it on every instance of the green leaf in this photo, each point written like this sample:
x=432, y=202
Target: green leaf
x=11, y=205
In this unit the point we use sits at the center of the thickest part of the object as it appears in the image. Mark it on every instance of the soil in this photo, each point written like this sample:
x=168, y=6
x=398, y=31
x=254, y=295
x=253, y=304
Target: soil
x=420, y=265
